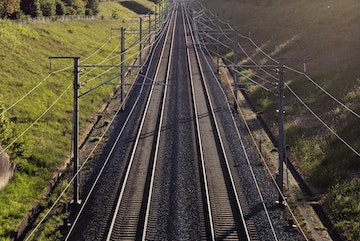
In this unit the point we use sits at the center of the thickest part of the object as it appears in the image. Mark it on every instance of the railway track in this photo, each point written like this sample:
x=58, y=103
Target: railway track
x=170, y=172
x=223, y=215
x=224, y=210
x=132, y=204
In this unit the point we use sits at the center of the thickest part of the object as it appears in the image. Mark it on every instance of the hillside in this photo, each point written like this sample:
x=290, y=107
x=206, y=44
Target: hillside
x=36, y=99
x=324, y=34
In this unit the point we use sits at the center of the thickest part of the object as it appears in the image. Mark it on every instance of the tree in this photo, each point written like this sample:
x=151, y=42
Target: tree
x=19, y=147
x=9, y=8
x=31, y=7
x=60, y=8
x=48, y=7
x=75, y=7
x=79, y=7
x=92, y=7
x=2, y=9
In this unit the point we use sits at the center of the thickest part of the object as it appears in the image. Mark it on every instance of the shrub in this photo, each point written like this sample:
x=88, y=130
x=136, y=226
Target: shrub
x=60, y=8
x=48, y=7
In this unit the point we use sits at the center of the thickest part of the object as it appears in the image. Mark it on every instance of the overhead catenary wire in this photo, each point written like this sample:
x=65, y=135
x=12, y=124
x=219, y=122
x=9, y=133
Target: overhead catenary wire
x=297, y=97
x=55, y=72
x=243, y=146
x=41, y=115
x=37, y=120
x=294, y=70
x=84, y=163
x=109, y=154
x=321, y=121
x=256, y=65
x=243, y=68
x=129, y=48
x=48, y=109
x=263, y=160
x=291, y=69
x=48, y=76
x=111, y=68
x=324, y=91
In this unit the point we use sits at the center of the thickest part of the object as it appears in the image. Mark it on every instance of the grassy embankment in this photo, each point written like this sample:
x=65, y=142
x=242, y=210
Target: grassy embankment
x=24, y=63
x=326, y=33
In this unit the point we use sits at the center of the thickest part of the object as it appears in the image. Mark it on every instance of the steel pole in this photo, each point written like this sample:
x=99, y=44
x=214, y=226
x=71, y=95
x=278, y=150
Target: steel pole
x=76, y=130
x=281, y=138
x=149, y=28
x=140, y=57
x=122, y=69
x=236, y=79
x=155, y=17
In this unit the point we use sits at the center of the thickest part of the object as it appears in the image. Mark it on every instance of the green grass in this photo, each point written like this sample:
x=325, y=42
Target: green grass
x=345, y=200
x=326, y=35
x=108, y=8
x=24, y=62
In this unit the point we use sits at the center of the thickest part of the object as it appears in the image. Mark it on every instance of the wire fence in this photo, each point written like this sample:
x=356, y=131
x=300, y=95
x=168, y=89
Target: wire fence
x=61, y=18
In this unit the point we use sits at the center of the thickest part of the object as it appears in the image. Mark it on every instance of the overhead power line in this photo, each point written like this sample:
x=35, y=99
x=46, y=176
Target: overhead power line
x=323, y=122
x=49, y=75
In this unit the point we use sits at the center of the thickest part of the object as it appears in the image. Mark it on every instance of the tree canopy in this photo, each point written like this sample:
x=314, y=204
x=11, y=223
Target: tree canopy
x=15, y=9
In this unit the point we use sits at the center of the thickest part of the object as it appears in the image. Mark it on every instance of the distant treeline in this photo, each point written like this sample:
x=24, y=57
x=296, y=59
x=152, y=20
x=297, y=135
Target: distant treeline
x=16, y=9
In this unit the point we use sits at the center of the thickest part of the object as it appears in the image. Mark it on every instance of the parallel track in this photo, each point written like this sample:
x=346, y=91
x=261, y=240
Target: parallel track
x=91, y=221
x=154, y=198
x=132, y=204
x=225, y=213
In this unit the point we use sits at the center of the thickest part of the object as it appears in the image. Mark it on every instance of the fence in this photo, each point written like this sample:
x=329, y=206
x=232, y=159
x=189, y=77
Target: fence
x=60, y=18
x=6, y=168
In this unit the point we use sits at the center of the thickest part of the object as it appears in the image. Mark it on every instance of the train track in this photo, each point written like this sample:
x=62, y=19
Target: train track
x=133, y=201
x=224, y=211
x=170, y=173
x=223, y=214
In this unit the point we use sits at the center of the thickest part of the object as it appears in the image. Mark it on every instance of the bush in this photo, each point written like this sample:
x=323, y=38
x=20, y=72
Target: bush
x=60, y=8
x=48, y=7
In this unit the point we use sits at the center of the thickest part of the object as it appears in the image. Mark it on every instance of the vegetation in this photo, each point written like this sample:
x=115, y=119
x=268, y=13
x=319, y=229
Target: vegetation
x=36, y=107
x=15, y=9
x=345, y=200
x=325, y=35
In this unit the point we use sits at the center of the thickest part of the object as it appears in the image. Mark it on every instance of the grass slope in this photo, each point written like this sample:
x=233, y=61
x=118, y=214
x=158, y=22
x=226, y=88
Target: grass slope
x=326, y=33
x=24, y=63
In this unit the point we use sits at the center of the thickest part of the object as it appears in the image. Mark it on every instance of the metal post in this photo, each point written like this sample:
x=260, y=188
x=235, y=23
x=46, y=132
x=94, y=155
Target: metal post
x=122, y=69
x=162, y=12
x=76, y=86
x=155, y=17
x=260, y=138
x=76, y=130
x=149, y=28
x=236, y=84
x=217, y=56
x=281, y=140
x=140, y=57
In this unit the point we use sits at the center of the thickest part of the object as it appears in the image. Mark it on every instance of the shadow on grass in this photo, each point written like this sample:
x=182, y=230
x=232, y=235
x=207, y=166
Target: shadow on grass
x=136, y=7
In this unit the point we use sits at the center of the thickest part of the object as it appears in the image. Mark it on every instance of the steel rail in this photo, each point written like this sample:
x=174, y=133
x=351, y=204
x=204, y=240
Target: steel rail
x=137, y=141
x=200, y=148
x=226, y=171
x=152, y=179
x=143, y=84
x=244, y=149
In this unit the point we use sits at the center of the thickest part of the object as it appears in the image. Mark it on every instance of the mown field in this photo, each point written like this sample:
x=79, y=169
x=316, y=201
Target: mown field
x=36, y=100
x=325, y=35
